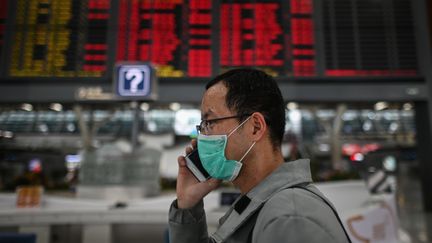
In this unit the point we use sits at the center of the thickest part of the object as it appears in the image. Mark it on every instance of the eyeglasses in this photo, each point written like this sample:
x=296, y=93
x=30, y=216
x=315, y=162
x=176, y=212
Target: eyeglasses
x=206, y=125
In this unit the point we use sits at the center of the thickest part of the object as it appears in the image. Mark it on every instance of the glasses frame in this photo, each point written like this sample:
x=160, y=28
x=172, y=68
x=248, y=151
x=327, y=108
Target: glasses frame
x=200, y=127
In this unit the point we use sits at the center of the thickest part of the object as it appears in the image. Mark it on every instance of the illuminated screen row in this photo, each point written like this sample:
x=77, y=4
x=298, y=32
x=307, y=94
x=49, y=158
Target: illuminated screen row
x=3, y=15
x=200, y=38
x=58, y=38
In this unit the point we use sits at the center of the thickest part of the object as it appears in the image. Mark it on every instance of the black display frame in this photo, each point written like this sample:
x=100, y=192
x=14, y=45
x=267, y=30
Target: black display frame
x=317, y=88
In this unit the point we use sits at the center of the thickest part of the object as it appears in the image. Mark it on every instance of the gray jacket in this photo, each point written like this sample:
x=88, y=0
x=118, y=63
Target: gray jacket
x=272, y=212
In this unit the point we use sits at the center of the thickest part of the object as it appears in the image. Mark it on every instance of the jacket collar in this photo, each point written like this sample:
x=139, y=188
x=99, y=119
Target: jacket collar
x=287, y=175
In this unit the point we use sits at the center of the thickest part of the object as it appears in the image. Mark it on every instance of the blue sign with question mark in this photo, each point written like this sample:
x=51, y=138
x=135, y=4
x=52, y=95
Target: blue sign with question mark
x=134, y=80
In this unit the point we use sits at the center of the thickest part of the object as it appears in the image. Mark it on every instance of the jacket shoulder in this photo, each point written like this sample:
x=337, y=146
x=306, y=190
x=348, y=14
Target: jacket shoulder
x=297, y=207
x=294, y=201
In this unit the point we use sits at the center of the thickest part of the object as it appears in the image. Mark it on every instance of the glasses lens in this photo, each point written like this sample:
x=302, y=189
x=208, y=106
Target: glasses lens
x=204, y=126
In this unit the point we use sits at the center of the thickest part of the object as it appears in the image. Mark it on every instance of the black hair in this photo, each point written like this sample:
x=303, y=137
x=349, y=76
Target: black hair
x=251, y=90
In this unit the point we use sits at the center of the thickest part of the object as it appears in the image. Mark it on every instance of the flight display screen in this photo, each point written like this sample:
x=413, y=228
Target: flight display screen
x=59, y=38
x=55, y=39
x=3, y=15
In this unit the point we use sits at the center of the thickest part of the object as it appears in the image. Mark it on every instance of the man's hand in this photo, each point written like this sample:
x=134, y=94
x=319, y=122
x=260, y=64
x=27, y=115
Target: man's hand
x=189, y=190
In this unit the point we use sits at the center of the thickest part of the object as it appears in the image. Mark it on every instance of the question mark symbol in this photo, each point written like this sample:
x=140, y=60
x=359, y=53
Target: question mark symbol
x=136, y=77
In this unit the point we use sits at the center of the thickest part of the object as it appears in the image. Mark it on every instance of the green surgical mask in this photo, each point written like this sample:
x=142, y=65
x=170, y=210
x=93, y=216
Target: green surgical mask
x=211, y=150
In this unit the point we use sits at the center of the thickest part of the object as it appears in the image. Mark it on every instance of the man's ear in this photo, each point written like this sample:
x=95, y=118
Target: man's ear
x=259, y=126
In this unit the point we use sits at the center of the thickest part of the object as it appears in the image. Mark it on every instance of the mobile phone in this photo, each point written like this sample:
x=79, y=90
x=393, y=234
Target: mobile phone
x=194, y=164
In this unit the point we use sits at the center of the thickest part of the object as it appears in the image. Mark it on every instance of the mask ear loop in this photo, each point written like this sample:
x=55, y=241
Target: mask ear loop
x=241, y=124
x=250, y=148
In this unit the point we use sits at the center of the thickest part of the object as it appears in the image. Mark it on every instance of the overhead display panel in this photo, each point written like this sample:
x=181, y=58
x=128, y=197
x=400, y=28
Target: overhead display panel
x=3, y=15
x=59, y=38
x=369, y=38
x=173, y=35
x=83, y=39
x=276, y=36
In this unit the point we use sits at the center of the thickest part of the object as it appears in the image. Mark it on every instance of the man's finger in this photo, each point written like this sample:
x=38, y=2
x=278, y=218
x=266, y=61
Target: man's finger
x=188, y=150
x=181, y=161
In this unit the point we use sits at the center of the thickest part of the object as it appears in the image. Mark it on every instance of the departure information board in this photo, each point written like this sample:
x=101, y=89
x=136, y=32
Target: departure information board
x=369, y=38
x=175, y=36
x=276, y=36
x=60, y=38
x=77, y=39
x=3, y=15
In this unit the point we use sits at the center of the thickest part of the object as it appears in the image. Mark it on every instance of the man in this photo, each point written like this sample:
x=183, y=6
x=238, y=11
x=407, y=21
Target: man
x=243, y=120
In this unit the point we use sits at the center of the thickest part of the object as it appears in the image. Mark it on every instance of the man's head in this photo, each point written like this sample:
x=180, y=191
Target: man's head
x=248, y=91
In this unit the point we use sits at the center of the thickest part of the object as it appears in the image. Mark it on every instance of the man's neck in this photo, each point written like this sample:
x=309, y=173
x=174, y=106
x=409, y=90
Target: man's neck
x=256, y=168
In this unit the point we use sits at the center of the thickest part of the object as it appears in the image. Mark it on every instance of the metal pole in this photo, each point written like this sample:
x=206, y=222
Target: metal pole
x=135, y=124
x=335, y=138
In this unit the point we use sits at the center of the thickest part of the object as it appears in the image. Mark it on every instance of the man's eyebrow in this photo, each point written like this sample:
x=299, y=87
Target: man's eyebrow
x=205, y=115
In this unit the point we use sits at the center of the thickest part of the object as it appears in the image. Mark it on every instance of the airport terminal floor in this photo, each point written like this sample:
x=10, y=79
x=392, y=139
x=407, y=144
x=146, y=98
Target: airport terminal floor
x=414, y=222
x=413, y=219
